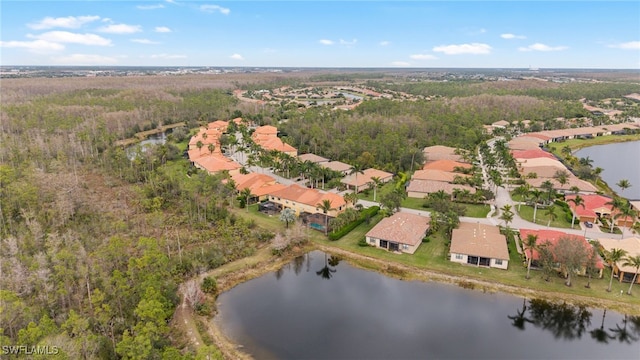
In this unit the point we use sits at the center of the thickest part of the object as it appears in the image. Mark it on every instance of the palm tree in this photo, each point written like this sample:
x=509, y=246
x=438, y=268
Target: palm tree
x=626, y=212
x=623, y=184
x=199, y=145
x=577, y=201
x=522, y=191
x=530, y=243
x=536, y=196
x=551, y=214
x=351, y=198
x=211, y=148
x=375, y=182
x=325, y=206
x=288, y=215
x=507, y=215
x=574, y=189
x=612, y=257
x=245, y=195
x=548, y=186
x=356, y=169
x=616, y=204
x=562, y=177
x=633, y=261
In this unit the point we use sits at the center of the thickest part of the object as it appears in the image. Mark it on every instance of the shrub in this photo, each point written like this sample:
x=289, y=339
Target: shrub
x=365, y=215
x=209, y=285
x=363, y=242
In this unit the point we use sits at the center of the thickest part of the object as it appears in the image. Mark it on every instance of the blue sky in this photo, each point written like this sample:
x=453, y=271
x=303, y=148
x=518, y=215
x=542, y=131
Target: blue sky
x=423, y=34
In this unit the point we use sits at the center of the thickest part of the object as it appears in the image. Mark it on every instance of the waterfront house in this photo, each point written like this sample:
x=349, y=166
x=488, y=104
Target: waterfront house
x=400, y=232
x=479, y=245
x=304, y=200
x=632, y=246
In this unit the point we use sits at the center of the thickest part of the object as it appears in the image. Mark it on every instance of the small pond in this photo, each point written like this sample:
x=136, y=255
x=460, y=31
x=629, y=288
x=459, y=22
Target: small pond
x=151, y=140
x=318, y=307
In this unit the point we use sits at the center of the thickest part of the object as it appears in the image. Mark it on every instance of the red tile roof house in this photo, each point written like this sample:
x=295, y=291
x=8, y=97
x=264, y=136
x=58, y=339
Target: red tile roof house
x=261, y=185
x=302, y=199
x=550, y=237
x=595, y=208
x=446, y=165
x=479, y=245
x=401, y=232
x=632, y=246
x=440, y=152
x=216, y=163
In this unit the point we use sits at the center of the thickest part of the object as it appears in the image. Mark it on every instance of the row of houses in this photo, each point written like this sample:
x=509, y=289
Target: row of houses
x=537, y=166
x=439, y=173
x=596, y=207
x=205, y=152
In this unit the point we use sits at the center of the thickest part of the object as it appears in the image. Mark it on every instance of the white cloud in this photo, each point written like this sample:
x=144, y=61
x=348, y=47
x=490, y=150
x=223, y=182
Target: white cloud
x=542, y=47
x=348, y=43
x=473, y=48
x=162, y=29
x=69, y=37
x=69, y=22
x=631, y=45
x=512, y=36
x=85, y=59
x=168, y=56
x=145, y=41
x=120, y=29
x=36, y=46
x=384, y=43
x=215, y=8
x=400, y=63
x=150, y=7
x=237, y=57
x=423, y=57
x=326, y=42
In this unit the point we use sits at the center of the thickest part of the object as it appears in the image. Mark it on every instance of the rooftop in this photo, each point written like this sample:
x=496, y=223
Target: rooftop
x=401, y=227
x=479, y=240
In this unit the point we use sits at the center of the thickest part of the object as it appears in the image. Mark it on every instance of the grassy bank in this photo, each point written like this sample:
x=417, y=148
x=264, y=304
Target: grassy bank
x=576, y=144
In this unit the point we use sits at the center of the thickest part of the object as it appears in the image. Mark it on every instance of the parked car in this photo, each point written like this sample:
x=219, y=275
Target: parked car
x=588, y=224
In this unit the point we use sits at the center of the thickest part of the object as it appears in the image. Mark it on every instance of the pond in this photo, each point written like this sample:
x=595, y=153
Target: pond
x=318, y=307
x=619, y=161
x=151, y=140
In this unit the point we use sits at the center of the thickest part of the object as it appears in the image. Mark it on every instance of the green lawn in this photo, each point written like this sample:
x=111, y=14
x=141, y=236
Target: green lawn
x=432, y=256
x=526, y=213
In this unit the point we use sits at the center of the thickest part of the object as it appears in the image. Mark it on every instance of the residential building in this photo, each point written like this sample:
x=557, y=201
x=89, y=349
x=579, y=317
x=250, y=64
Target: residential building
x=550, y=238
x=316, y=159
x=337, y=166
x=364, y=180
x=595, y=208
x=446, y=165
x=302, y=199
x=479, y=245
x=261, y=185
x=216, y=163
x=401, y=232
x=632, y=246
x=440, y=152
x=420, y=188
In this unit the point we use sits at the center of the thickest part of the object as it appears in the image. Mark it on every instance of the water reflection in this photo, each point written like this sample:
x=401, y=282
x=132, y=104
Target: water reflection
x=569, y=322
x=362, y=314
x=329, y=267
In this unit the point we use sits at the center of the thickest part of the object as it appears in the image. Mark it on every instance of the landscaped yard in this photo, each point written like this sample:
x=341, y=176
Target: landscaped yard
x=432, y=255
x=526, y=213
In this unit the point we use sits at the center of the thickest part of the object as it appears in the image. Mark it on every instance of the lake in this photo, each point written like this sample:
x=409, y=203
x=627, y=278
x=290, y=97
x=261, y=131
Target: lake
x=619, y=161
x=318, y=307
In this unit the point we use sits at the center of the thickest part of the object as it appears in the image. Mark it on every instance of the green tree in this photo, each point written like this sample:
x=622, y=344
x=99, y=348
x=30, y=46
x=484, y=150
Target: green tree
x=623, y=184
x=551, y=214
x=507, y=215
x=571, y=254
x=616, y=203
x=523, y=192
x=633, y=261
x=245, y=196
x=355, y=170
x=530, y=245
x=612, y=257
x=577, y=201
x=375, y=183
x=535, y=195
x=288, y=216
x=325, y=206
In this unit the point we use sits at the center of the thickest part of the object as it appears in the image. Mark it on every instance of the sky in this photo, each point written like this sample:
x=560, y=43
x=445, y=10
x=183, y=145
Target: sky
x=356, y=34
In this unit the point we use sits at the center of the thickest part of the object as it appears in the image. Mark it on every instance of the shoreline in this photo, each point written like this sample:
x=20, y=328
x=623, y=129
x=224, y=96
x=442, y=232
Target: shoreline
x=229, y=279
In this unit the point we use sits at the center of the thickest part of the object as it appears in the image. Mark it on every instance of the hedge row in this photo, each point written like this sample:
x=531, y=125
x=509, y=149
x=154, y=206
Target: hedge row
x=367, y=213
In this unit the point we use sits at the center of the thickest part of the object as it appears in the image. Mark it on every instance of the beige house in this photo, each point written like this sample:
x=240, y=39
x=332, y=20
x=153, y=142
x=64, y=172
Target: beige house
x=632, y=246
x=479, y=245
x=401, y=232
x=316, y=159
x=337, y=166
x=364, y=181
x=302, y=199
x=440, y=152
x=420, y=188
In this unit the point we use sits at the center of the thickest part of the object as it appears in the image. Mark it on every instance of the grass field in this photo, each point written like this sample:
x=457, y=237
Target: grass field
x=526, y=213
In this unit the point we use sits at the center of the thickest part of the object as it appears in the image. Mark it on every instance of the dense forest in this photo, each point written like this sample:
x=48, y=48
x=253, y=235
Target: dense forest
x=96, y=239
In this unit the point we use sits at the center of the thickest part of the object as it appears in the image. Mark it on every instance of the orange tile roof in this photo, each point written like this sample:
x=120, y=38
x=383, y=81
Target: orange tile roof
x=311, y=197
x=551, y=237
x=216, y=163
x=266, y=130
x=275, y=143
x=218, y=125
x=253, y=181
x=401, y=227
x=445, y=165
x=531, y=154
x=440, y=152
